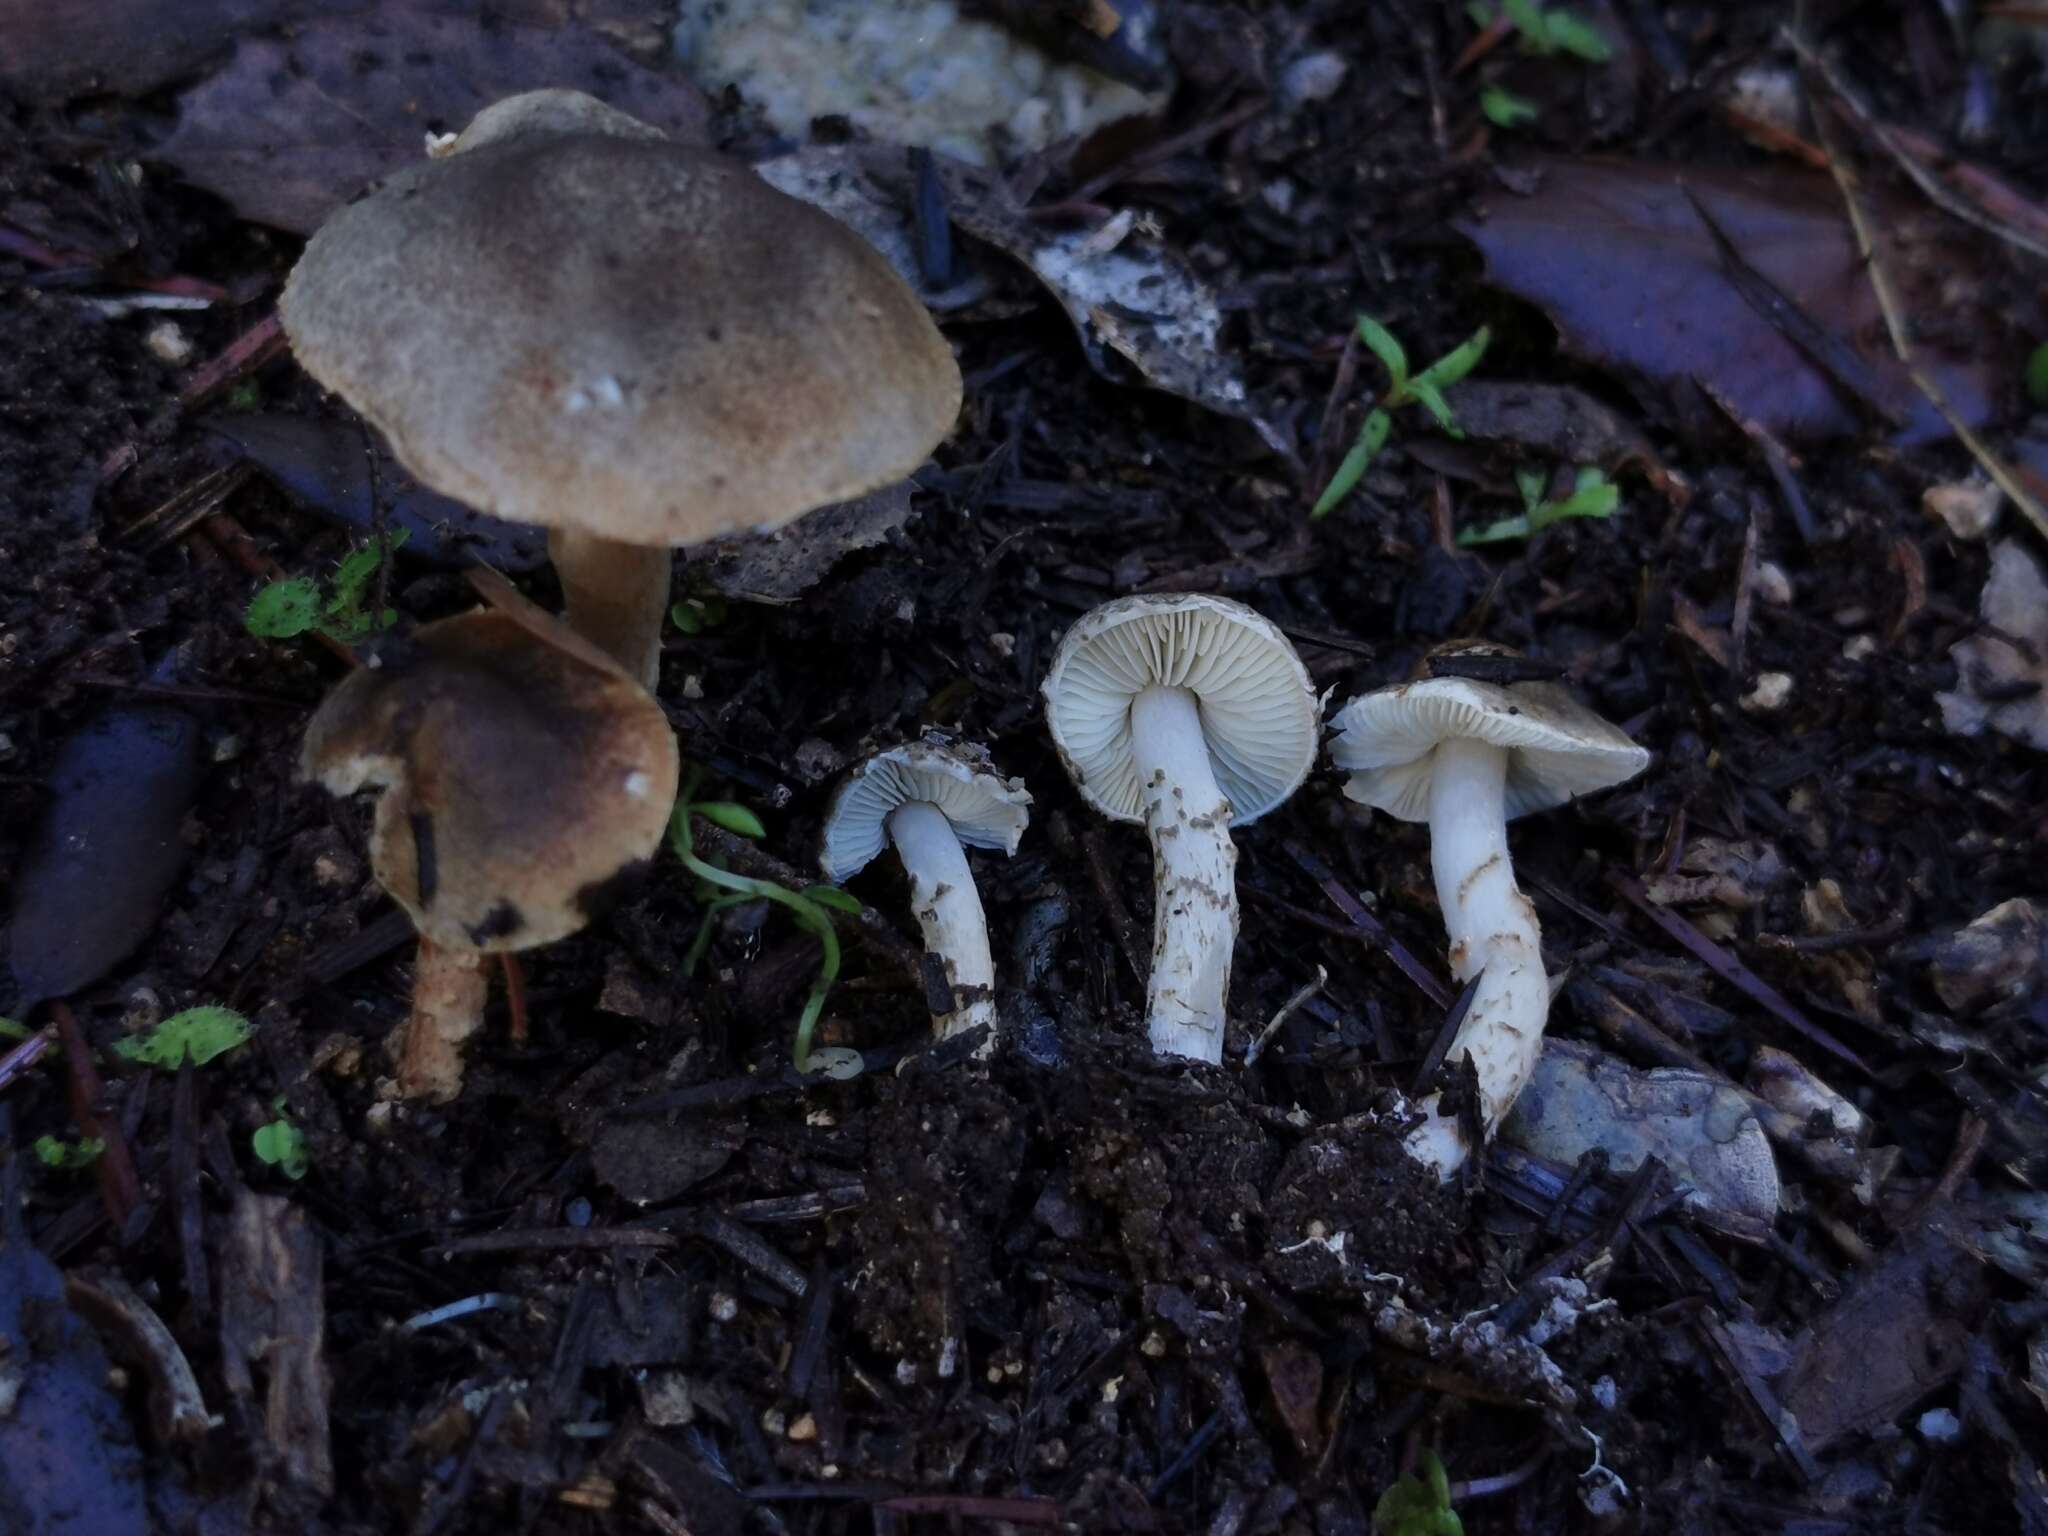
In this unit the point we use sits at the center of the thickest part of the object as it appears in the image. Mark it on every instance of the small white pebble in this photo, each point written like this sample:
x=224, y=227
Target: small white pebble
x=775, y=1422
x=168, y=343
x=1859, y=647
x=1152, y=1347
x=1111, y=1388
x=440, y=145
x=1605, y=1393
x=1314, y=77
x=906, y=1373
x=693, y=686
x=1770, y=693
x=1969, y=507
x=1772, y=584
x=1940, y=1426
x=1005, y=644
x=724, y=1306
x=805, y=1428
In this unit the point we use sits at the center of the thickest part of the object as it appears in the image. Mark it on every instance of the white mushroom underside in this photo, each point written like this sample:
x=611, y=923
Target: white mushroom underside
x=949, y=913
x=985, y=809
x=1257, y=712
x=1493, y=934
x=1194, y=871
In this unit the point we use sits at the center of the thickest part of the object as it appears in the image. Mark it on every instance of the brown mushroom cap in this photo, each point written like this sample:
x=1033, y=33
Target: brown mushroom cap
x=520, y=775
x=569, y=325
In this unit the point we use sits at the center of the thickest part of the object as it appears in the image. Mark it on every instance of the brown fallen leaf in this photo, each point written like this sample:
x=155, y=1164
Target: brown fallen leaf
x=294, y=127
x=127, y=47
x=1617, y=254
x=1921, y=1300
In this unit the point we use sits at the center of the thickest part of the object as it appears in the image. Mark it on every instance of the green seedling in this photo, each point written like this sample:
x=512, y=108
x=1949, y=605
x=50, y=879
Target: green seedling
x=1504, y=109
x=295, y=605
x=1403, y=389
x=11, y=1029
x=1547, y=32
x=694, y=615
x=2037, y=376
x=201, y=1033
x=721, y=889
x=281, y=1144
x=68, y=1155
x=1593, y=495
x=1419, y=1506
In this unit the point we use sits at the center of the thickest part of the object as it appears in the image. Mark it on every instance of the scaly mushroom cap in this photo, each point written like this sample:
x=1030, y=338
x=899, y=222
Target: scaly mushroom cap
x=573, y=322
x=521, y=772
x=1257, y=707
x=1558, y=749
x=986, y=810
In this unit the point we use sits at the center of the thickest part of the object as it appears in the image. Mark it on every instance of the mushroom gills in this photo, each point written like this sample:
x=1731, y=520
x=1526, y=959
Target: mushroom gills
x=1194, y=871
x=948, y=911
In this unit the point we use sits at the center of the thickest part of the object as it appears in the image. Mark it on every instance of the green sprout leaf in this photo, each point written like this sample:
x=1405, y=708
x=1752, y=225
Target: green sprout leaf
x=731, y=889
x=282, y=1145
x=11, y=1029
x=295, y=606
x=2037, y=376
x=1419, y=1506
x=1593, y=495
x=1393, y=357
x=833, y=897
x=1504, y=109
x=68, y=1155
x=694, y=615
x=1570, y=33
x=201, y=1033
x=1456, y=363
x=284, y=609
x=732, y=816
x=1351, y=469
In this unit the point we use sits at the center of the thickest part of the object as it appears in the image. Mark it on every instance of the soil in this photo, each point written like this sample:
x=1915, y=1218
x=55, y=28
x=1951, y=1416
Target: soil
x=1073, y=1284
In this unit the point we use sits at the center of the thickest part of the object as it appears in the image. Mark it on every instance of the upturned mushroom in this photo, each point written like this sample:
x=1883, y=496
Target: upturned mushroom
x=522, y=772
x=932, y=800
x=568, y=320
x=1190, y=714
x=1468, y=756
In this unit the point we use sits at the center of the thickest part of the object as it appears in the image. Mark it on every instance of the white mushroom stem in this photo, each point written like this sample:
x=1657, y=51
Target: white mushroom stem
x=449, y=988
x=949, y=913
x=1194, y=876
x=614, y=595
x=1492, y=931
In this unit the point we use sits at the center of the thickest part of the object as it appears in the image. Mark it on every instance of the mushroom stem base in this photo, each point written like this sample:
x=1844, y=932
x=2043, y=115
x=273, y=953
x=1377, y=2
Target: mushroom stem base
x=1194, y=874
x=1493, y=935
x=449, y=987
x=614, y=595
x=949, y=913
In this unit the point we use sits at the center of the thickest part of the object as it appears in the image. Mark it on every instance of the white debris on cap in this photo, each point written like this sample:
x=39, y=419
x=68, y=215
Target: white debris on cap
x=985, y=809
x=1258, y=708
x=1997, y=683
x=1557, y=748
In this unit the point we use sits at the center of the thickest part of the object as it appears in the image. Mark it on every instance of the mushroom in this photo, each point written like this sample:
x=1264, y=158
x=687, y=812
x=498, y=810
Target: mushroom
x=1189, y=714
x=522, y=773
x=569, y=320
x=1467, y=756
x=931, y=799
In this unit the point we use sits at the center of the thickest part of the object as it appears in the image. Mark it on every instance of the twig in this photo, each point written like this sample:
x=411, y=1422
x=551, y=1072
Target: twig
x=1860, y=113
x=1732, y=970
x=119, y=1188
x=1285, y=1011
x=1368, y=926
x=1894, y=315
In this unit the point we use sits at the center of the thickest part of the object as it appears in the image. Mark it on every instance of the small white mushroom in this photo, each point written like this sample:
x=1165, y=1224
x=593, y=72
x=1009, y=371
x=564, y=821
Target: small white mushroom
x=1467, y=757
x=928, y=799
x=1189, y=714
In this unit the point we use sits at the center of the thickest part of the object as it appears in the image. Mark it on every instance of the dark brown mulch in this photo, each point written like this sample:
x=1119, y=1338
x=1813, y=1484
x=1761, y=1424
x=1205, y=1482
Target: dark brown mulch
x=1076, y=1285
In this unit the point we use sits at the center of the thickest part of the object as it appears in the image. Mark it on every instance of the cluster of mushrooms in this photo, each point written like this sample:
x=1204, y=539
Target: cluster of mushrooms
x=567, y=320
